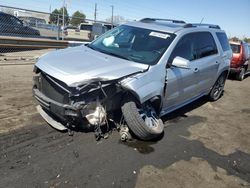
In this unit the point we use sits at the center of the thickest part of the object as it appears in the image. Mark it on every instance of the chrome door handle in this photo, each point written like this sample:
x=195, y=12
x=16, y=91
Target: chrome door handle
x=196, y=70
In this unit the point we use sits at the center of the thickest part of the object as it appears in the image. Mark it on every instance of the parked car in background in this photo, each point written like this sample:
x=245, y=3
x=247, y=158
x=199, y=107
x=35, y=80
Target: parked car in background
x=71, y=33
x=249, y=49
x=241, y=58
x=12, y=26
x=32, y=21
x=143, y=69
x=85, y=31
x=97, y=30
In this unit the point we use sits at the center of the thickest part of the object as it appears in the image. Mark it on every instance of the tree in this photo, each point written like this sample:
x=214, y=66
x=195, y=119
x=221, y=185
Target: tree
x=66, y=16
x=56, y=17
x=234, y=39
x=77, y=18
x=246, y=39
x=53, y=18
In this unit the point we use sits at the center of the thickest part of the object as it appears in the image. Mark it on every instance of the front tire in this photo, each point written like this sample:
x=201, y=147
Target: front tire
x=217, y=89
x=142, y=121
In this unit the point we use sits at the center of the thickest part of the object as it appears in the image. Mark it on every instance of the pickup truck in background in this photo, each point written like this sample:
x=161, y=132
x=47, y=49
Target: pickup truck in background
x=85, y=31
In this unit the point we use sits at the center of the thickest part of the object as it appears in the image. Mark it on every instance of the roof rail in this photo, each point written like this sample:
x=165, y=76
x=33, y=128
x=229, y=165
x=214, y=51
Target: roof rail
x=160, y=19
x=202, y=25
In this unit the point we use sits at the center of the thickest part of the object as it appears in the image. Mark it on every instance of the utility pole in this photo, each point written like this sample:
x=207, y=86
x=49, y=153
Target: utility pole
x=95, y=14
x=112, y=17
x=63, y=19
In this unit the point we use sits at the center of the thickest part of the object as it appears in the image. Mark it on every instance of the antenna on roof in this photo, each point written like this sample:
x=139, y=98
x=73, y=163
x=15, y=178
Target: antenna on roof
x=202, y=20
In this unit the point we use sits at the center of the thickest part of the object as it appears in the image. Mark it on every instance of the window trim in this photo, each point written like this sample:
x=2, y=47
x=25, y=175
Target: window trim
x=170, y=63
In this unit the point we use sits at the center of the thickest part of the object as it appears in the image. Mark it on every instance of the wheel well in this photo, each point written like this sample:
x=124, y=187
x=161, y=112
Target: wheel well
x=225, y=73
x=246, y=67
x=155, y=101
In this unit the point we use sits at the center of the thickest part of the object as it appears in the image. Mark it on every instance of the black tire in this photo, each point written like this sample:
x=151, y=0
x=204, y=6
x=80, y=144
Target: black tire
x=134, y=117
x=217, y=89
x=240, y=76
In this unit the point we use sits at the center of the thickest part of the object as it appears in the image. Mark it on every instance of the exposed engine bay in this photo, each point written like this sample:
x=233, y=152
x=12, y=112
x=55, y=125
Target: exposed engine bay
x=89, y=106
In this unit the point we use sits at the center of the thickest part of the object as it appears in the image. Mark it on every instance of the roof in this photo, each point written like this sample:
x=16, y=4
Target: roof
x=168, y=25
x=235, y=42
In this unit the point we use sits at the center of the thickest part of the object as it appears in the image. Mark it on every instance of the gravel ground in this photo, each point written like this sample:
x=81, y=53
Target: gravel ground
x=205, y=145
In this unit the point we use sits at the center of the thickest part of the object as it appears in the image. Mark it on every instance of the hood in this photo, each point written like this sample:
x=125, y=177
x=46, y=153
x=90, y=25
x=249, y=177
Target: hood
x=78, y=65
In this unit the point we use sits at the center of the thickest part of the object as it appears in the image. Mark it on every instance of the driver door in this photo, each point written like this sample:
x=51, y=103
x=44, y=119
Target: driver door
x=182, y=83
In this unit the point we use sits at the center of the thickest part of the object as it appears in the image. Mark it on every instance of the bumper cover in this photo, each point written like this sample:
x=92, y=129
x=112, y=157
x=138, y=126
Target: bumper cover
x=60, y=110
x=235, y=70
x=50, y=120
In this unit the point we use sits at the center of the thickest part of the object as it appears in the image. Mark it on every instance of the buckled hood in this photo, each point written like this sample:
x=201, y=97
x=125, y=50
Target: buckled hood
x=77, y=65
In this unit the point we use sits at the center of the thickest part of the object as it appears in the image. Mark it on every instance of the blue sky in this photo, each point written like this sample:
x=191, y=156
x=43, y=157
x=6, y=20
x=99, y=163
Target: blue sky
x=232, y=15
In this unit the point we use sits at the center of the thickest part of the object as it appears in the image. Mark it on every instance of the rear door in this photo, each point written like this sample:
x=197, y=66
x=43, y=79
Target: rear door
x=226, y=50
x=208, y=61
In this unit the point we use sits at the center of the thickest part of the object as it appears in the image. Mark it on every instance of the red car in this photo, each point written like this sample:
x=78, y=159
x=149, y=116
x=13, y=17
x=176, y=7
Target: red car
x=241, y=58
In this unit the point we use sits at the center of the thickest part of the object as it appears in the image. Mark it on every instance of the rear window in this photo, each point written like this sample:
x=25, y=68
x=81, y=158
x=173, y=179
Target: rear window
x=71, y=27
x=223, y=41
x=86, y=27
x=235, y=48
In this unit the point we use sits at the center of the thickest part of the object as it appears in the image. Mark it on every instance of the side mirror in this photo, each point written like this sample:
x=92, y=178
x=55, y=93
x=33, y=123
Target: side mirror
x=181, y=63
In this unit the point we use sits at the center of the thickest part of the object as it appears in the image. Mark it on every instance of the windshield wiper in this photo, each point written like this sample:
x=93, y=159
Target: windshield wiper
x=117, y=55
x=90, y=46
x=109, y=53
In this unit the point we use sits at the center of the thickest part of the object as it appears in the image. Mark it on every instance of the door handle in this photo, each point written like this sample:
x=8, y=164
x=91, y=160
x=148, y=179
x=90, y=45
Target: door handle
x=196, y=70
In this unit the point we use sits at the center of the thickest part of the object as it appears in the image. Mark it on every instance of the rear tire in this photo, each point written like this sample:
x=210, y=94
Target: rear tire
x=241, y=74
x=142, y=121
x=218, y=88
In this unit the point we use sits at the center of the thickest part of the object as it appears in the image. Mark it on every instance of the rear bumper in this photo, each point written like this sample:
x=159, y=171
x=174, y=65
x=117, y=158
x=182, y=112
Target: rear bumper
x=235, y=70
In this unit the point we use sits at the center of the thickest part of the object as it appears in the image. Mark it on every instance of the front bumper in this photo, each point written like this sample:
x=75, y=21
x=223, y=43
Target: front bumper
x=62, y=111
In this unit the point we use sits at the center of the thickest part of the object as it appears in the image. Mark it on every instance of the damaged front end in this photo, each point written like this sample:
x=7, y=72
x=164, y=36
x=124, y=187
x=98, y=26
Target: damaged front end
x=84, y=106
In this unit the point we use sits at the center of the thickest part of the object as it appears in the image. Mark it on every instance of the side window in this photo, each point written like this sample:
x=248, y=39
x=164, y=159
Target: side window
x=185, y=48
x=206, y=44
x=223, y=41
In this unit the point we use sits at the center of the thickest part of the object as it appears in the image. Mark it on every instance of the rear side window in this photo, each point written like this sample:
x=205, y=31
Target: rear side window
x=223, y=41
x=206, y=44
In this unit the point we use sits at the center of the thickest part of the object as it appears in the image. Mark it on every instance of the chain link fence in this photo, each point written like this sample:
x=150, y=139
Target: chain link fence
x=23, y=30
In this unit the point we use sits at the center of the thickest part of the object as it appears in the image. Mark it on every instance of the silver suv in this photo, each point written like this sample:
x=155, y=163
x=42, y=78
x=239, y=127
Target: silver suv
x=144, y=69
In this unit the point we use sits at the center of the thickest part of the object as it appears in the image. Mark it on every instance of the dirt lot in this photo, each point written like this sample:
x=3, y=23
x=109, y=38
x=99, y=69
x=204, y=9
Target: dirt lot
x=205, y=145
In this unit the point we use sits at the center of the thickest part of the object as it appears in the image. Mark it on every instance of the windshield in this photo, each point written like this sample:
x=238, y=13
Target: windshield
x=235, y=48
x=134, y=44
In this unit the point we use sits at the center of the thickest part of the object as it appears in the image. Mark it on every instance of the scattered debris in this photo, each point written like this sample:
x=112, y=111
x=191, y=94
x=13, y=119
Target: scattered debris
x=76, y=154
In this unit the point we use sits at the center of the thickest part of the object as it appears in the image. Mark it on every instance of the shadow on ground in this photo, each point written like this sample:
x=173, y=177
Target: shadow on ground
x=38, y=154
x=179, y=147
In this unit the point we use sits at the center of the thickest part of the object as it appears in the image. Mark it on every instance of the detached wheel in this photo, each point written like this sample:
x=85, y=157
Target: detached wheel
x=142, y=121
x=217, y=89
x=241, y=74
